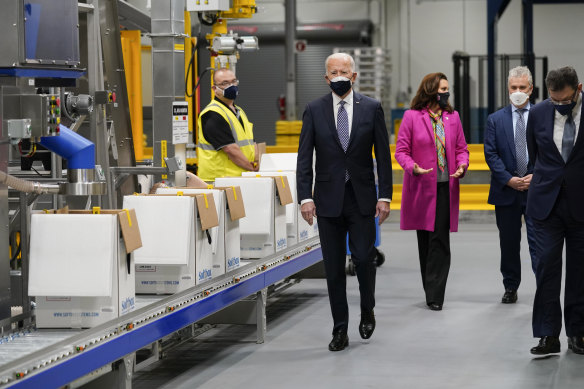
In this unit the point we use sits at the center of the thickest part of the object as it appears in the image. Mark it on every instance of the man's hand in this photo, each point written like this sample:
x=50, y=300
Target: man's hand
x=520, y=183
x=460, y=171
x=308, y=211
x=236, y=156
x=382, y=210
x=418, y=170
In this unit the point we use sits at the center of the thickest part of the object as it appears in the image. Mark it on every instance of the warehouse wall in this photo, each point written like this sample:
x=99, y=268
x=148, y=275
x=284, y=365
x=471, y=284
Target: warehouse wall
x=421, y=34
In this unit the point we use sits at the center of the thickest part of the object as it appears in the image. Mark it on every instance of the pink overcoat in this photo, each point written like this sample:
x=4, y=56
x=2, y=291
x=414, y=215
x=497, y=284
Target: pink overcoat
x=415, y=144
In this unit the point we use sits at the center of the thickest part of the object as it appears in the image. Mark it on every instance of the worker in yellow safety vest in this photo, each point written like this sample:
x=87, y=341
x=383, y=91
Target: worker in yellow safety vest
x=226, y=147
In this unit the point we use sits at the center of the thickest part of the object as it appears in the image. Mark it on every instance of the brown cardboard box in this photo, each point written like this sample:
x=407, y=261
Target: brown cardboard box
x=234, y=201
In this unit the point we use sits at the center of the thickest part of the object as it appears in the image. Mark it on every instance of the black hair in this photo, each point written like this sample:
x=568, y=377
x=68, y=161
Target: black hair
x=558, y=79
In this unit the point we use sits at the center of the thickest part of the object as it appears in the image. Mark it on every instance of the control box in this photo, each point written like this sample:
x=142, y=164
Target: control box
x=44, y=112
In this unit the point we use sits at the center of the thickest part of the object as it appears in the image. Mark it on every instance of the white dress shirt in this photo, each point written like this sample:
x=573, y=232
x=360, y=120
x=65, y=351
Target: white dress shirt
x=560, y=121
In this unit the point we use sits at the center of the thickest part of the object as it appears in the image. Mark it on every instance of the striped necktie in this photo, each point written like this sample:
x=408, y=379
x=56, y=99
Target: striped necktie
x=520, y=144
x=568, y=138
x=343, y=130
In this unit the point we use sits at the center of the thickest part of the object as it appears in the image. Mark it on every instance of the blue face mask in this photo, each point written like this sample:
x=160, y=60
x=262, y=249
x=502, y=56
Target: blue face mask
x=564, y=109
x=230, y=92
x=340, y=85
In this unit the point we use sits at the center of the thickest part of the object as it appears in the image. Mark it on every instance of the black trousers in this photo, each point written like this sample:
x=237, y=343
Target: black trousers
x=333, y=232
x=509, y=225
x=550, y=235
x=434, y=249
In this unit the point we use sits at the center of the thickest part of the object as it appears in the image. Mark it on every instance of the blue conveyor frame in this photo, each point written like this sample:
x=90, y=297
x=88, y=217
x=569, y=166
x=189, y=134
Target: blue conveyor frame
x=178, y=313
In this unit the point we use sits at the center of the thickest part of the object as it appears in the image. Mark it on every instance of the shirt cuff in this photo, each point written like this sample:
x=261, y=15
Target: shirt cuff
x=384, y=199
x=306, y=201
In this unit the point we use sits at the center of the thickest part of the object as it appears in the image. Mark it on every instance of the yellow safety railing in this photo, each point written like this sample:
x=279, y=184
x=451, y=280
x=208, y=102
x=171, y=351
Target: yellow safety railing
x=473, y=197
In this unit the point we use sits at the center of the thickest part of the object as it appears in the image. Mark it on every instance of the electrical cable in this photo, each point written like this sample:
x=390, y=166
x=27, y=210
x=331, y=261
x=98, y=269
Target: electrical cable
x=201, y=77
x=30, y=152
x=189, y=70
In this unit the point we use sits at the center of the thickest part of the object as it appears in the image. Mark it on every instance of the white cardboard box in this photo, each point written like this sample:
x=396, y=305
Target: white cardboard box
x=297, y=229
x=225, y=236
x=176, y=254
x=284, y=163
x=278, y=161
x=80, y=271
x=263, y=229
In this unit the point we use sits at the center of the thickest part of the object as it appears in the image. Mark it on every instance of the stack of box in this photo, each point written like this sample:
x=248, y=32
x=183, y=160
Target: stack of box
x=177, y=253
x=288, y=132
x=263, y=229
x=82, y=266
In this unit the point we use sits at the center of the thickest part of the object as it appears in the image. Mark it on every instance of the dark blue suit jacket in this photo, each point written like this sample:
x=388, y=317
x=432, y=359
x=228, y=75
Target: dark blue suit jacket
x=500, y=156
x=319, y=134
x=550, y=172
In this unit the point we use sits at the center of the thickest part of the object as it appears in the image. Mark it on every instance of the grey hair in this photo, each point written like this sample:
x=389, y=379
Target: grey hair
x=521, y=71
x=343, y=56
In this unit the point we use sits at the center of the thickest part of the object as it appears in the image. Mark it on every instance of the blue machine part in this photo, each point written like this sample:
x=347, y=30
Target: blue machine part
x=32, y=17
x=41, y=73
x=77, y=150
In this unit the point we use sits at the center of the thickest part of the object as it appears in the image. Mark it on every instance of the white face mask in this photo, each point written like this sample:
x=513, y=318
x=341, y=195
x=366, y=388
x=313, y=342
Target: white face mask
x=518, y=98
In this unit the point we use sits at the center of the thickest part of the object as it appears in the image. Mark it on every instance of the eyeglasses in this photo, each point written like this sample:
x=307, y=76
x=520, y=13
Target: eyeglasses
x=564, y=102
x=227, y=84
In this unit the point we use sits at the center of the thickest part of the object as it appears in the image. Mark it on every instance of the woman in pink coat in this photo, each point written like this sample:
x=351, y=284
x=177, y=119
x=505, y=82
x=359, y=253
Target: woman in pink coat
x=433, y=153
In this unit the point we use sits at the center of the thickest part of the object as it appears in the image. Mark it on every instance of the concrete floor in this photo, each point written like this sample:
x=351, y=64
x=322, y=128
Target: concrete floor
x=474, y=342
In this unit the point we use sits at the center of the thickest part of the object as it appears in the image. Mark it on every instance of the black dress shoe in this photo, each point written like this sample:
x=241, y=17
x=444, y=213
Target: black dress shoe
x=576, y=344
x=547, y=345
x=510, y=296
x=339, y=342
x=435, y=307
x=367, y=325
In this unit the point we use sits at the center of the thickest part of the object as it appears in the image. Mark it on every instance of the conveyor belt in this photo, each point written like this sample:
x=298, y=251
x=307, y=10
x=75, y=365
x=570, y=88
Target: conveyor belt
x=49, y=358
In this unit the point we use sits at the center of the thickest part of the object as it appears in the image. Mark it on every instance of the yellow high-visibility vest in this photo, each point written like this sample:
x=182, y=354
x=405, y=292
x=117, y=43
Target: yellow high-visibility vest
x=215, y=163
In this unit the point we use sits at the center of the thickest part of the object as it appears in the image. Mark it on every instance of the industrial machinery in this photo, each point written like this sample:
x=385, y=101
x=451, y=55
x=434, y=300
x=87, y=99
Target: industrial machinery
x=63, y=102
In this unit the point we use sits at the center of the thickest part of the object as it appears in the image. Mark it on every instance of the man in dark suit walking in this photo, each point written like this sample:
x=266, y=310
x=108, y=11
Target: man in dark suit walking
x=341, y=128
x=555, y=203
x=506, y=155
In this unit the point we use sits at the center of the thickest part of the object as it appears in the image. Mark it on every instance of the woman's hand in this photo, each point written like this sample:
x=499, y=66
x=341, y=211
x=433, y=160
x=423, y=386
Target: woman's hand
x=418, y=170
x=460, y=171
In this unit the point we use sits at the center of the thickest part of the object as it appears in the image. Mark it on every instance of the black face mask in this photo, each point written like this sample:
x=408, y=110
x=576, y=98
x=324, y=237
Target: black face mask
x=340, y=87
x=443, y=99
